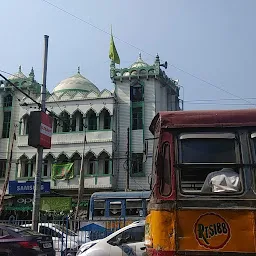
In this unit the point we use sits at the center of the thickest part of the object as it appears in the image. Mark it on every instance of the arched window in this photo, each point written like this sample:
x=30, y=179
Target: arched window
x=65, y=121
x=8, y=101
x=91, y=163
x=47, y=165
x=136, y=93
x=24, y=167
x=77, y=121
x=62, y=159
x=105, y=120
x=32, y=163
x=104, y=163
x=25, y=122
x=92, y=120
x=76, y=159
x=54, y=124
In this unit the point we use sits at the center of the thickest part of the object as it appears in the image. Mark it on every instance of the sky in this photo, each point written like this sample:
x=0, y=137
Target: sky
x=209, y=45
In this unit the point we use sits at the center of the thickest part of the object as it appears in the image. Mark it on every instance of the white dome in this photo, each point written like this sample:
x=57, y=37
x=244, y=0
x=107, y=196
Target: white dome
x=139, y=63
x=18, y=75
x=76, y=83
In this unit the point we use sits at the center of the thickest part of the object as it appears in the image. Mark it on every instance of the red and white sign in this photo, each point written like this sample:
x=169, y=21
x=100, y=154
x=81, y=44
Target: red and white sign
x=45, y=130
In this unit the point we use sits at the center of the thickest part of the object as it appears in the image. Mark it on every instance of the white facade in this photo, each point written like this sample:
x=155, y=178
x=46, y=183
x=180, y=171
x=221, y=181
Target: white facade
x=158, y=93
x=103, y=116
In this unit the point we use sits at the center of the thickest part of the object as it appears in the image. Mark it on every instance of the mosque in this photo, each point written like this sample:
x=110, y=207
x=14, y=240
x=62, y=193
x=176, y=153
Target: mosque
x=107, y=118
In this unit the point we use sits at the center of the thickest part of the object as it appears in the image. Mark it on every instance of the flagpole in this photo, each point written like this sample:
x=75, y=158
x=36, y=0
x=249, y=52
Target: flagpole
x=113, y=54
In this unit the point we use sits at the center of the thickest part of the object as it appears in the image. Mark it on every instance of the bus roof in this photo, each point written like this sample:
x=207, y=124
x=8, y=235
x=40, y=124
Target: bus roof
x=130, y=194
x=204, y=118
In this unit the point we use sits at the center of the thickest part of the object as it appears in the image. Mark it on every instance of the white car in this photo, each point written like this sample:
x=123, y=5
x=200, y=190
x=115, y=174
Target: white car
x=126, y=241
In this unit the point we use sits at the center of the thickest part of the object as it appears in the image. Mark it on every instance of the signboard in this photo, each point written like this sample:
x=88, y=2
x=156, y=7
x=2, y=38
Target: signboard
x=59, y=204
x=45, y=130
x=25, y=203
x=27, y=187
x=40, y=130
x=20, y=203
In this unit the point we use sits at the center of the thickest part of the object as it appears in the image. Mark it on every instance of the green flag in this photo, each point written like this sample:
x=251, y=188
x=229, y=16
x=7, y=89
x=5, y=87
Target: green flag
x=113, y=55
x=63, y=171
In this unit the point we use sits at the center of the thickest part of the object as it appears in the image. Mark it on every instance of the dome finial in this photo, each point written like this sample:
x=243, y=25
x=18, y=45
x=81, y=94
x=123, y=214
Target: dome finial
x=140, y=55
x=19, y=68
x=32, y=74
x=157, y=59
x=78, y=70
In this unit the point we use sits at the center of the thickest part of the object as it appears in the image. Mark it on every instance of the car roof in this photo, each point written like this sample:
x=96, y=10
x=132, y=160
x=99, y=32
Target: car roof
x=134, y=224
x=141, y=222
x=7, y=225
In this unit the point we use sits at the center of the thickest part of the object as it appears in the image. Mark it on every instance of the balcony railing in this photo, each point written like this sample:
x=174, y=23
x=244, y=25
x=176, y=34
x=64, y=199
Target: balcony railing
x=73, y=137
x=95, y=182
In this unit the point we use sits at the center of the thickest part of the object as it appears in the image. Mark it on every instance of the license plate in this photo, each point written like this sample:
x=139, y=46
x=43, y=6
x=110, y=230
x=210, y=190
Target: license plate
x=47, y=245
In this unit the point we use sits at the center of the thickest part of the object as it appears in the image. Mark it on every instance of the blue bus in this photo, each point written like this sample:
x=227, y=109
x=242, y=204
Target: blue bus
x=110, y=211
x=128, y=206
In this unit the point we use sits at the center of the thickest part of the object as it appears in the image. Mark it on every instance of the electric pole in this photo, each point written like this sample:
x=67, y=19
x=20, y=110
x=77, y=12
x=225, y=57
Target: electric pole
x=128, y=160
x=8, y=172
x=39, y=163
x=81, y=180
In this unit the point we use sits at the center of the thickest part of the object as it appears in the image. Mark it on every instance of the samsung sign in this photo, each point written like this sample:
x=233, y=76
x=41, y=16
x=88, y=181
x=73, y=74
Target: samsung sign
x=27, y=187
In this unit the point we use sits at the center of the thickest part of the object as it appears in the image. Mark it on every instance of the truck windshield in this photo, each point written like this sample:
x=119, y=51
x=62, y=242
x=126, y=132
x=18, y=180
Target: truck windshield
x=204, y=159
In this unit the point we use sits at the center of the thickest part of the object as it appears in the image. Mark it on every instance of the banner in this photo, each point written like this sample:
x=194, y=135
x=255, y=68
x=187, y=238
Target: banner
x=59, y=204
x=63, y=171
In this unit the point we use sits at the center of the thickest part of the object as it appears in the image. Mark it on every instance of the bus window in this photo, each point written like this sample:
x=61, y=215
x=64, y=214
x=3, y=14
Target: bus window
x=134, y=208
x=253, y=137
x=113, y=204
x=203, y=158
x=165, y=176
x=99, y=208
x=115, y=209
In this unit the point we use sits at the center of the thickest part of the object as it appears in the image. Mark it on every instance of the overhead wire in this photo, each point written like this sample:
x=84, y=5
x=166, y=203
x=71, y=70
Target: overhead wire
x=141, y=50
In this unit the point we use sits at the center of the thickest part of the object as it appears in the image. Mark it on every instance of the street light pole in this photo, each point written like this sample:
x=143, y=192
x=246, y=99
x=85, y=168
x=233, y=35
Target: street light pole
x=39, y=163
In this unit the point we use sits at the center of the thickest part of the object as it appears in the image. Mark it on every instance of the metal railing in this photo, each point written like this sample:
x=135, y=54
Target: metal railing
x=68, y=235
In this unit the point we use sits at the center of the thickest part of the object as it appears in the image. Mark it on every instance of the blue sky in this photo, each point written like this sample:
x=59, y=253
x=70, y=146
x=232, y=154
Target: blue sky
x=213, y=40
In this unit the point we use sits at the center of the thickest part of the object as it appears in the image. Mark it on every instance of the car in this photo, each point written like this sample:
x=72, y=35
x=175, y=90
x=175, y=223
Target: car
x=126, y=241
x=19, y=241
x=64, y=239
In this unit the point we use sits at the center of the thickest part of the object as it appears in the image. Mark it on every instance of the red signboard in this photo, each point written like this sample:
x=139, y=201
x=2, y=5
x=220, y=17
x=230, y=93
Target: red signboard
x=45, y=130
x=40, y=130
